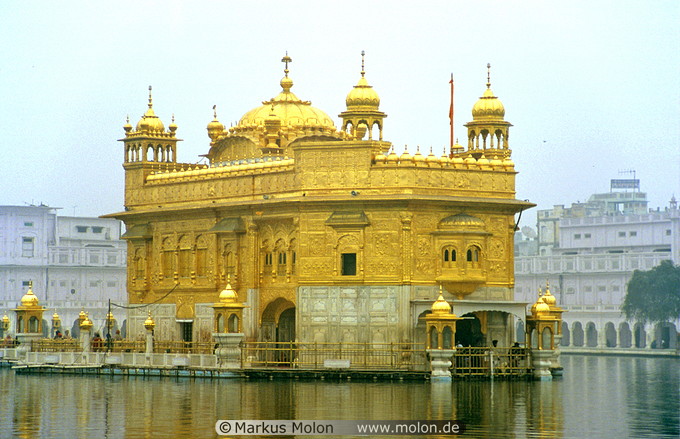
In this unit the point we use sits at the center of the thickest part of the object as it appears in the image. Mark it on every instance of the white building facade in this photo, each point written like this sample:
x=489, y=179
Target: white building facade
x=589, y=265
x=74, y=263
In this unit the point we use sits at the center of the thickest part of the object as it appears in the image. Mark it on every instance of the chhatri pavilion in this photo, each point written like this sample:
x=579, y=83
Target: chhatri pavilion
x=324, y=232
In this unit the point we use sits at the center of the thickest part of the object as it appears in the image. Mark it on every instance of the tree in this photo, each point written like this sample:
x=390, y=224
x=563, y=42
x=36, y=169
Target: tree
x=654, y=295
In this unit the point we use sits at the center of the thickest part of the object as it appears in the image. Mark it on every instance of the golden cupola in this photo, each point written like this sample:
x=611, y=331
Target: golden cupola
x=149, y=122
x=29, y=300
x=441, y=306
x=363, y=111
x=488, y=131
x=215, y=128
x=488, y=107
x=228, y=295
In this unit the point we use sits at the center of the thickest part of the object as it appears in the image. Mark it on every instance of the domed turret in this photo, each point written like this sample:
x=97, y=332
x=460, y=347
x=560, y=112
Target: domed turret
x=215, y=128
x=488, y=130
x=362, y=95
x=362, y=112
x=29, y=300
x=150, y=122
x=488, y=106
x=441, y=306
x=549, y=298
x=228, y=295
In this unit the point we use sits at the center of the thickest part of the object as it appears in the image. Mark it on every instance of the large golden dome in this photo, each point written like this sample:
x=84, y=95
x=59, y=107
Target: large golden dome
x=289, y=109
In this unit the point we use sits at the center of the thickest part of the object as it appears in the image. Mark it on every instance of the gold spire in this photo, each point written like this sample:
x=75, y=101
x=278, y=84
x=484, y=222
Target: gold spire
x=286, y=82
x=363, y=71
x=488, y=75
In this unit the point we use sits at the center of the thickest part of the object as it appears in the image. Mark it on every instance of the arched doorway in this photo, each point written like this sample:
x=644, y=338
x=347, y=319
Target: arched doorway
x=610, y=335
x=278, y=321
x=625, y=336
x=591, y=335
x=640, y=336
x=469, y=331
x=577, y=334
x=520, y=332
x=565, y=334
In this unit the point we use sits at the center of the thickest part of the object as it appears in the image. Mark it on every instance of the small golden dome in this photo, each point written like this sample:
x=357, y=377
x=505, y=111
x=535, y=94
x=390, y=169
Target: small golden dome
x=431, y=159
x=488, y=107
x=549, y=298
x=461, y=220
x=5, y=320
x=405, y=156
x=441, y=306
x=214, y=127
x=86, y=323
x=380, y=157
x=362, y=95
x=418, y=157
x=82, y=315
x=29, y=300
x=149, y=324
x=127, y=127
x=457, y=148
x=173, y=126
x=55, y=316
x=392, y=157
x=150, y=122
x=228, y=295
x=542, y=307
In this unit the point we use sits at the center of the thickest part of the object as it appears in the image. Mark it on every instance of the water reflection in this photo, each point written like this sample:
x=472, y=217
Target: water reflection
x=598, y=397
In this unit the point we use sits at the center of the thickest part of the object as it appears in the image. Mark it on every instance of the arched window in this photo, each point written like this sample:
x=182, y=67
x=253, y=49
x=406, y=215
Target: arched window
x=220, y=323
x=449, y=257
x=473, y=255
x=281, y=266
x=233, y=324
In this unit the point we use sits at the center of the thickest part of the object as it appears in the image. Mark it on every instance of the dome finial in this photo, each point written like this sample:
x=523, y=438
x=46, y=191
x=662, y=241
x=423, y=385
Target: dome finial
x=488, y=75
x=363, y=71
x=150, y=98
x=215, y=111
x=286, y=59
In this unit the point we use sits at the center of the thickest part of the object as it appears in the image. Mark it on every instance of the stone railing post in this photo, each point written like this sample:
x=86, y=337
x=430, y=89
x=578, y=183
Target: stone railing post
x=228, y=349
x=440, y=363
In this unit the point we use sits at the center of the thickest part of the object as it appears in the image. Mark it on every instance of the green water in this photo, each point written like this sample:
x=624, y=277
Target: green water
x=598, y=397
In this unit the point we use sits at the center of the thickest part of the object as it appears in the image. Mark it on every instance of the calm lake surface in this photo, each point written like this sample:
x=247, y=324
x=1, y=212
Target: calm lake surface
x=598, y=397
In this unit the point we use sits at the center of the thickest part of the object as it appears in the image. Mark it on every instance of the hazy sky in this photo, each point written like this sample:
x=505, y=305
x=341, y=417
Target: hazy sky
x=591, y=87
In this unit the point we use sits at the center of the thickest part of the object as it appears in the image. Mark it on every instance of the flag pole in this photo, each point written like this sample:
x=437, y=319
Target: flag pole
x=451, y=115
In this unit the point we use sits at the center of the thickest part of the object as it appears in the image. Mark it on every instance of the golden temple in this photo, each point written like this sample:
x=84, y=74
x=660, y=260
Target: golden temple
x=324, y=234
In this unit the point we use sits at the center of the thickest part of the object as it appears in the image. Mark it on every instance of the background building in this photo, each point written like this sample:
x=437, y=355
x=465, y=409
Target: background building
x=75, y=264
x=326, y=234
x=588, y=253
